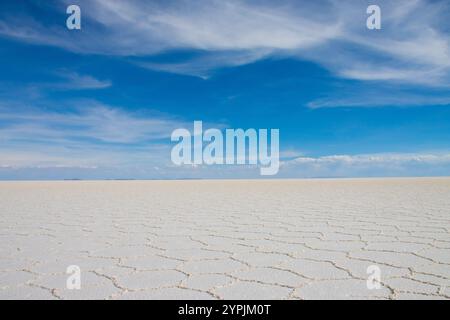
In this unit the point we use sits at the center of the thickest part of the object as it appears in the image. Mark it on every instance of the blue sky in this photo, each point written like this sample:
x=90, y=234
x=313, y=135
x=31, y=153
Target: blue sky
x=101, y=102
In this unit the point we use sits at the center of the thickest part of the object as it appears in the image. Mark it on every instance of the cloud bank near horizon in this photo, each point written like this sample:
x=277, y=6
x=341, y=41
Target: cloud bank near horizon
x=338, y=166
x=98, y=141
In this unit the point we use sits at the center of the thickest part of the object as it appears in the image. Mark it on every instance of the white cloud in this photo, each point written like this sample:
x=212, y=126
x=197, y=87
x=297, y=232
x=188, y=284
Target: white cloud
x=413, y=45
x=203, y=65
x=34, y=91
x=90, y=120
x=379, y=99
x=142, y=27
x=150, y=163
x=427, y=76
x=72, y=155
x=87, y=135
x=76, y=81
x=90, y=136
x=387, y=164
x=374, y=158
x=206, y=25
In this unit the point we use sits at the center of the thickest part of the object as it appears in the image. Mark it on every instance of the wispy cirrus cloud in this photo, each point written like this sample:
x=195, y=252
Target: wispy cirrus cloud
x=203, y=64
x=89, y=140
x=88, y=120
x=379, y=97
x=65, y=80
x=412, y=47
x=76, y=81
x=88, y=137
x=137, y=28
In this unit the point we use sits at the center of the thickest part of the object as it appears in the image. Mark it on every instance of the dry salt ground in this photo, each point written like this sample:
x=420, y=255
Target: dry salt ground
x=292, y=239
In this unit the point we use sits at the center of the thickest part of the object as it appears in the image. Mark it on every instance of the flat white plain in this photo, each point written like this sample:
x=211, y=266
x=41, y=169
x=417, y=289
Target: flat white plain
x=233, y=239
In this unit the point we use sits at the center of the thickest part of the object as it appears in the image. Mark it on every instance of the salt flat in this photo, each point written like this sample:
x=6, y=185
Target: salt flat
x=292, y=239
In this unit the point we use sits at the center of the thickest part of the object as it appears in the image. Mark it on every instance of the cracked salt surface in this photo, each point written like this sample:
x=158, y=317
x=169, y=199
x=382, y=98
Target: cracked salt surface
x=293, y=239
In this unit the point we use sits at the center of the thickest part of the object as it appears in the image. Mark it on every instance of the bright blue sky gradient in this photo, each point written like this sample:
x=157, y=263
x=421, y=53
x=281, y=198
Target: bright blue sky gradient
x=101, y=103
